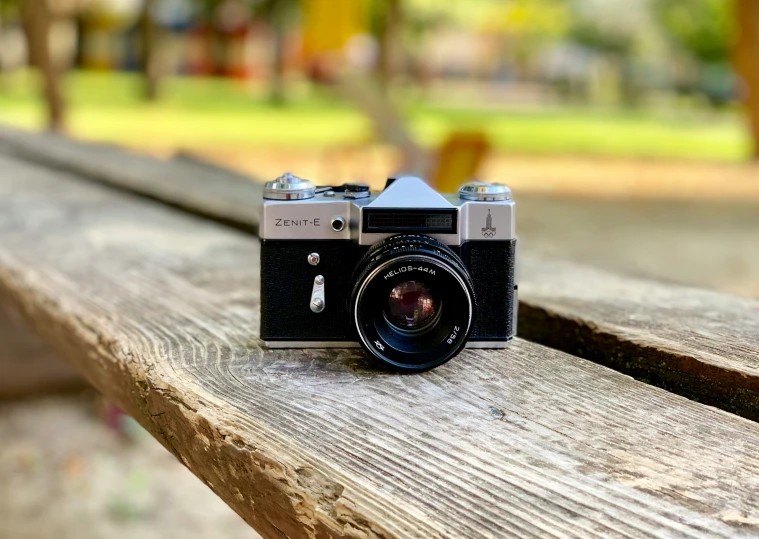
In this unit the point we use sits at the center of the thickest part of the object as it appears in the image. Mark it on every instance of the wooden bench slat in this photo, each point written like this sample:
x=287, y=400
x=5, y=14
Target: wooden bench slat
x=210, y=191
x=159, y=310
x=696, y=343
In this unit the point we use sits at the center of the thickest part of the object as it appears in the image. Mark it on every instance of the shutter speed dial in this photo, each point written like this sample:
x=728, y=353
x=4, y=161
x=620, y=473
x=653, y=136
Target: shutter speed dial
x=289, y=187
x=484, y=191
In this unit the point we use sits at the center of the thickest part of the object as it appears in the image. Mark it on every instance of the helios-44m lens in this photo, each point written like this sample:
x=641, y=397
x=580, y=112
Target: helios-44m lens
x=412, y=302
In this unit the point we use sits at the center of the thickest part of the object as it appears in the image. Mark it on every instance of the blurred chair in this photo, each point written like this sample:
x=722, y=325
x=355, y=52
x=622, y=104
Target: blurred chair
x=458, y=160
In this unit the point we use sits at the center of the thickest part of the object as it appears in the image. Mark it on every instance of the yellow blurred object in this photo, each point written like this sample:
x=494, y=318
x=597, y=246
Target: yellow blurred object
x=330, y=24
x=531, y=19
x=103, y=44
x=459, y=159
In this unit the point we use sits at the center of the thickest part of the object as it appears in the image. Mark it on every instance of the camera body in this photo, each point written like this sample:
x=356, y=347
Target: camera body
x=410, y=274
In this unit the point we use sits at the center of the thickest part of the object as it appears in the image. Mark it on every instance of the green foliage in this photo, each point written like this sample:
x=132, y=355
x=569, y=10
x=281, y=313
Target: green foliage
x=8, y=10
x=701, y=27
x=536, y=20
x=469, y=14
x=275, y=10
x=266, y=9
x=596, y=36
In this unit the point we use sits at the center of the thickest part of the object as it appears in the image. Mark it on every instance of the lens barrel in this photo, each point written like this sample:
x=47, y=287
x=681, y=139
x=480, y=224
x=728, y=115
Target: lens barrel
x=412, y=302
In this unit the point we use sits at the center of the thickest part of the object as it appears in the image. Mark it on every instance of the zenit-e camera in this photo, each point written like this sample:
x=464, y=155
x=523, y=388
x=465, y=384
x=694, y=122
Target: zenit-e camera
x=412, y=275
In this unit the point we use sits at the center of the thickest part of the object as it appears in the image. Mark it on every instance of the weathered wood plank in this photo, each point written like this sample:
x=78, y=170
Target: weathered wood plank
x=159, y=311
x=27, y=365
x=204, y=190
x=696, y=343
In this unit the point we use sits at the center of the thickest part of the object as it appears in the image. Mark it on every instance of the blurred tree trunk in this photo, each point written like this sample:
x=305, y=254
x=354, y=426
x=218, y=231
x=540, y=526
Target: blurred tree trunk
x=277, y=83
x=150, y=65
x=389, y=42
x=2, y=60
x=81, y=34
x=746, y=57
x=2, y=67
x=279, y=14
x=38, y=21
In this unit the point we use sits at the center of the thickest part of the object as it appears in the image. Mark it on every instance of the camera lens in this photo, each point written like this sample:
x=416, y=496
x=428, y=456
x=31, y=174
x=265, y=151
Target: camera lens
x=412, y=302
x=411, y=307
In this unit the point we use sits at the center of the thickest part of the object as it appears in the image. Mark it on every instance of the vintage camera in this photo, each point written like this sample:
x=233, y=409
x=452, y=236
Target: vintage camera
x=410, y=274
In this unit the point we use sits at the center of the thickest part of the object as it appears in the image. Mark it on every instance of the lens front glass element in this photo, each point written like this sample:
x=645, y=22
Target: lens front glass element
x=412, y=307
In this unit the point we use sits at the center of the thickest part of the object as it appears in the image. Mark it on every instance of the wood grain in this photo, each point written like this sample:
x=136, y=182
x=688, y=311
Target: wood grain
x=695, y=343
x=698, y=343
x=159, y=311
x=28, y=367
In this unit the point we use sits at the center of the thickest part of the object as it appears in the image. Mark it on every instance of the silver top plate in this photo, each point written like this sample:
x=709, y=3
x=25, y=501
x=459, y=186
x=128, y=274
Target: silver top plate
x=312, y=219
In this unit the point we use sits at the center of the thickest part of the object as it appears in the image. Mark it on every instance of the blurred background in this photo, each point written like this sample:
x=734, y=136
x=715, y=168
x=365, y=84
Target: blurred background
x=350, y=88
x=629, y=132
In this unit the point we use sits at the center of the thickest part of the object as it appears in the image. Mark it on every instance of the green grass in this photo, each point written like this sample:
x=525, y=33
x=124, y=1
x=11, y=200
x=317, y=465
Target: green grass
x=213, y=113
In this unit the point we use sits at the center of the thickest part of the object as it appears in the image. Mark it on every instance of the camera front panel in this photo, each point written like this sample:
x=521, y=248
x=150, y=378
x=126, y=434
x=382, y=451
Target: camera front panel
x=287, y=281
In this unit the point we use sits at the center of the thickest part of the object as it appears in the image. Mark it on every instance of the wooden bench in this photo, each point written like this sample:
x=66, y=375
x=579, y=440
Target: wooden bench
x=154, y=299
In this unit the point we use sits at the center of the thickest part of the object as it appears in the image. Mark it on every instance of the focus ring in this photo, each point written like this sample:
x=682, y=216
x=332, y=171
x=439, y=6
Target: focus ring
x=403, y=244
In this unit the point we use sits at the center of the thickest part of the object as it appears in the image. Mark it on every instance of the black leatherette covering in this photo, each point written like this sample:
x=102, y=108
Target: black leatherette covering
x=287, y=280
x=491, y=265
